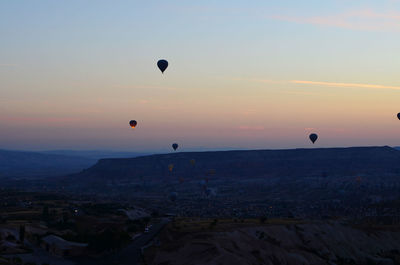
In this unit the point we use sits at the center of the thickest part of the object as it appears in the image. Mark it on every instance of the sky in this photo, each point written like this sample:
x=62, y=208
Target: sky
x=241, y=75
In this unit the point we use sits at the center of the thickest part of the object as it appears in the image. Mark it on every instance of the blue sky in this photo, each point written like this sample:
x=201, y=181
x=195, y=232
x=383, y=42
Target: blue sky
x=259, y=75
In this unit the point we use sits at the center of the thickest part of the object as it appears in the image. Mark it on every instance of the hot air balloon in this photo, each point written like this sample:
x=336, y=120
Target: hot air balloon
x=192, y=162
x=398, y=115
x=133, y=123
x=172, y=196
x=175, y=146
x=162, y=65
x=170, y=167
x=313, y=137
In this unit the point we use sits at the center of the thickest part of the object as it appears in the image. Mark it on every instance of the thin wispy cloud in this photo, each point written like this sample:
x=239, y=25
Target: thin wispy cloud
x=363, y=19
x=324, y=83
x=333, y=84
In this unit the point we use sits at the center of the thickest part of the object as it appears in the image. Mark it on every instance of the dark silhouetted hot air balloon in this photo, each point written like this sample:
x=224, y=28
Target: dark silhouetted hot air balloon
x=133, y=123
x=398, y=115
x=193, y=162
x=313, y=137
x=162, y=65
x=175, y=146
x=170, y=167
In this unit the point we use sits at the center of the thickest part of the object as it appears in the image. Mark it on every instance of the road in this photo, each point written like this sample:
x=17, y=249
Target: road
x=131, y=254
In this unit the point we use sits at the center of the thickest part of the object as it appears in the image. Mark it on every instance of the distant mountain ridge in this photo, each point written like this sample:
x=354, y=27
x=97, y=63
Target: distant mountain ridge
x=34, y=164
x=253, y=163
x=95, y=154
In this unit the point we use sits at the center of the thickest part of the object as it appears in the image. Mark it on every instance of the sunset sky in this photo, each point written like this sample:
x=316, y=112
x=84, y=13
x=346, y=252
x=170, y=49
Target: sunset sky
x=73, y=73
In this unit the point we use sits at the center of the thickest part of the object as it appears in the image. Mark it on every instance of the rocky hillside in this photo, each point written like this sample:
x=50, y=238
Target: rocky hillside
x=189, y=243
x=296, y=162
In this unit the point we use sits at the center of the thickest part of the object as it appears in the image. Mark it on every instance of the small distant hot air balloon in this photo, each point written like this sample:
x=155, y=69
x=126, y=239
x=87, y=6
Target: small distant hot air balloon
x=192, y=162
x=162, y=65
x=398, y=115
x=170, y=167
x=175, y=146
x=133, y=123
x=313, y=137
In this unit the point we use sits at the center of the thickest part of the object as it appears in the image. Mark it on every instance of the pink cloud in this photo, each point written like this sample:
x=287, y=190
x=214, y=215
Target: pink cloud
x=365, y=20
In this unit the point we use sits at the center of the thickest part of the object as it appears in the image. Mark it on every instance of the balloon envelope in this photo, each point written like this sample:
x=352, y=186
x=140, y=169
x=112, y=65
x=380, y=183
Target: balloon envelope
x=162, y=65
x=398, y=115
x=133, y=123
x=313, y=137
x=175, y=146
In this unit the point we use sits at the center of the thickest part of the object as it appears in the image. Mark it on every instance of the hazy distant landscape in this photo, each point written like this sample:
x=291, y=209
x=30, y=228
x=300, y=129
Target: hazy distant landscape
x=28, y=164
